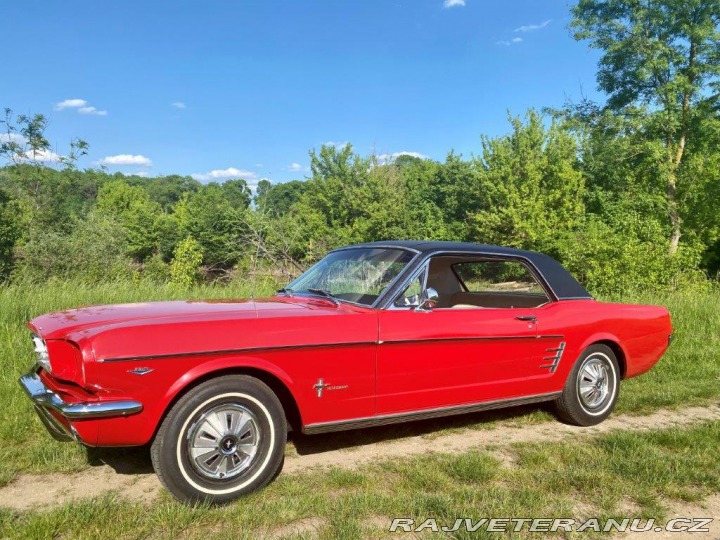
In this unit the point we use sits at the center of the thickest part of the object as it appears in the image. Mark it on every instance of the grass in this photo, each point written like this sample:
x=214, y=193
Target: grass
x=622, y=474
x=688, y=374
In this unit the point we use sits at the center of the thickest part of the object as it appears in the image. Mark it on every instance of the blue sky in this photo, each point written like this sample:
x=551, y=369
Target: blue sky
x=246, y=88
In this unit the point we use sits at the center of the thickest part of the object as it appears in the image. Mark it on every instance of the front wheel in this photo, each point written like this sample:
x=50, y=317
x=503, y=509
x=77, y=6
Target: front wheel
x=221, y=440
x=591, y=389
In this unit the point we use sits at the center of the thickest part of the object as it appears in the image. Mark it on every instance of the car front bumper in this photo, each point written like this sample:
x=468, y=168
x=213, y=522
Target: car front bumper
x=57, y=415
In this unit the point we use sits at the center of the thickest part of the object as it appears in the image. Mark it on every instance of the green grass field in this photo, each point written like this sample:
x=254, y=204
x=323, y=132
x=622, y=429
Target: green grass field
x=618, y=475
x=645, y=468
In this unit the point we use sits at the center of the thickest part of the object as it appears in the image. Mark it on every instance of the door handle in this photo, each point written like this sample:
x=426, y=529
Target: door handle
x=531, y=318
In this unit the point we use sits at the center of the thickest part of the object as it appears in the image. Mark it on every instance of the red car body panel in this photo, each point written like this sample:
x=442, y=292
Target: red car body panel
x=370, y=363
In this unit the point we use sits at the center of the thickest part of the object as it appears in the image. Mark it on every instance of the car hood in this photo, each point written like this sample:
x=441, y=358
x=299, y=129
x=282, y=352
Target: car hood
x=79, y=323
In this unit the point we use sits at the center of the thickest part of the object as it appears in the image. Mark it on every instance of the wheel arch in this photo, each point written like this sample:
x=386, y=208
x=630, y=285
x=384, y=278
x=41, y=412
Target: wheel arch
x=276, y=380
x=614, y=345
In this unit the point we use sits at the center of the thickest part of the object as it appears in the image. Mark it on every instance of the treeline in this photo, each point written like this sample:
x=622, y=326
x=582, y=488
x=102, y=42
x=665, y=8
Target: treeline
x=587, y=192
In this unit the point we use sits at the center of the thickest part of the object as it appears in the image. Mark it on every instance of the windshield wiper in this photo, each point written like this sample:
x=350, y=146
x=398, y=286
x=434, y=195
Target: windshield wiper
x=326, y=294
x=286, y=290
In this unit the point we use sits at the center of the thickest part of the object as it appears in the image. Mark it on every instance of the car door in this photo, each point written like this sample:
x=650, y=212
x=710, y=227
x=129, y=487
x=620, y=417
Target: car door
x=460, y=352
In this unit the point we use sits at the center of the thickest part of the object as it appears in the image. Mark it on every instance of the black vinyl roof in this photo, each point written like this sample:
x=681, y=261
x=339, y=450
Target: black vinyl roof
x=562, y=284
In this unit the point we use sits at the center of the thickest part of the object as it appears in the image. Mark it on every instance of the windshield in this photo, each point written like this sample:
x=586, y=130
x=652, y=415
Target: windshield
x=358, y=275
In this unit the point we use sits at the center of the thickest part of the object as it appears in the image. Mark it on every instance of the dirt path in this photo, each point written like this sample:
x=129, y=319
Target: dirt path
x=134, y=479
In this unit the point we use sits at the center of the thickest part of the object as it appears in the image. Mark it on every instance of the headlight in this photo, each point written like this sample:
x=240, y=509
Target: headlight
x=42, y=353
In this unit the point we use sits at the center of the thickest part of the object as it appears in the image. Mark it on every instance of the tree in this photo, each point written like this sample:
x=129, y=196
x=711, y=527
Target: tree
x=185, y=266
x=215, y=222
x=44, y=190
x=277, y=199
x=660, y=53
x=237, y=193
x=135, y=212
x=10, y=230
x=530, y=188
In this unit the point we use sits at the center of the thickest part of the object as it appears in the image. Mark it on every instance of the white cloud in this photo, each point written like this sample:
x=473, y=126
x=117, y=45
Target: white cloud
x=23, y=154
x=41, y=156
x=224, y=174
x=70, y=104
x=294, y=167
x=179, y=105
x=91, y=110
x=389, y=158
x=453, y=3
x=126, y=159
x=533, y=27
x=80, y=105
x=513, y=41
x=259, y=165
x=12, y=137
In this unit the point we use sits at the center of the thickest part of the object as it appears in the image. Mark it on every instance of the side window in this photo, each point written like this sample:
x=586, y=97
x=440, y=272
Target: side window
x=495, y=283
x=410, y=297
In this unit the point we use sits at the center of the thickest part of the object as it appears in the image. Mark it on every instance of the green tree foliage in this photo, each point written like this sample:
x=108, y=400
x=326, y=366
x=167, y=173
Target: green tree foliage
x=132, y=208
x=277, y=199
x=529, y=186
x=215, y=217
x=237, y=193
x=662, y=53
x=164, y=190
x=186, y=263
x=10, y=231
x=94, y=250
x=607, y=261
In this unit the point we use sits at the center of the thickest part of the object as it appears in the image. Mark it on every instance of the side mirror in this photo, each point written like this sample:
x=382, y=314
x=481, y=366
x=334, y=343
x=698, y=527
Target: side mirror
x=428, y=300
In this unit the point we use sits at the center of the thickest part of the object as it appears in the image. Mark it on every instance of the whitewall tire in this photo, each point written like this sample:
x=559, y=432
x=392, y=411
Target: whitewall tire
x=591, y=389
x=223, y=439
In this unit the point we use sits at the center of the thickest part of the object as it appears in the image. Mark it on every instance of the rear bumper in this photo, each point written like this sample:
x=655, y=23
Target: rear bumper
x=50, y=406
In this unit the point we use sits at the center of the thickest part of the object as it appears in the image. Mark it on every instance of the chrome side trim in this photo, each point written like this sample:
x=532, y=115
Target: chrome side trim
x=383, y=420
x=555, y=358
x=468, y=338
x=43, y=397
x=316, y=346
x=236, y=351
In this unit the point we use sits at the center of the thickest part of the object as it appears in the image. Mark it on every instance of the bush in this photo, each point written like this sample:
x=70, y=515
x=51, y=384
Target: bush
x=607, y=261
x=155, y=269
x=185, y=266
x=94, y=251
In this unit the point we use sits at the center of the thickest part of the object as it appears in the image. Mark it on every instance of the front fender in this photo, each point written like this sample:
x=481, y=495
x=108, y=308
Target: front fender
x=157, y=384
x=219, y=365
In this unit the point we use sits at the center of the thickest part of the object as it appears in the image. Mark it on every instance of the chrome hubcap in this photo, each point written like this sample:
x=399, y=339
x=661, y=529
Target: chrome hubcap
x=594, y=381
x=224, y=441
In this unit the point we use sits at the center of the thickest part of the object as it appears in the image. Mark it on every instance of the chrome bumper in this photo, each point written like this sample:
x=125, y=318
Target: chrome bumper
x=45, y=399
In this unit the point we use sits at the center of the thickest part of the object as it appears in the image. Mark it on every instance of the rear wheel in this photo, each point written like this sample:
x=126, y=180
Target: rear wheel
x=591, y=389
x=221, y=440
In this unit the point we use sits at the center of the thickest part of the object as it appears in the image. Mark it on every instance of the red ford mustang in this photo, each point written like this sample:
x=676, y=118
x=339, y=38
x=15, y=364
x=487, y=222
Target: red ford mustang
x=373, y=334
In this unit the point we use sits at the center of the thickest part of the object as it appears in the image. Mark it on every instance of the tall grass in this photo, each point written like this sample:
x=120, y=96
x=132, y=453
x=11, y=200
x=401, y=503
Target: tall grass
x=688, y=374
